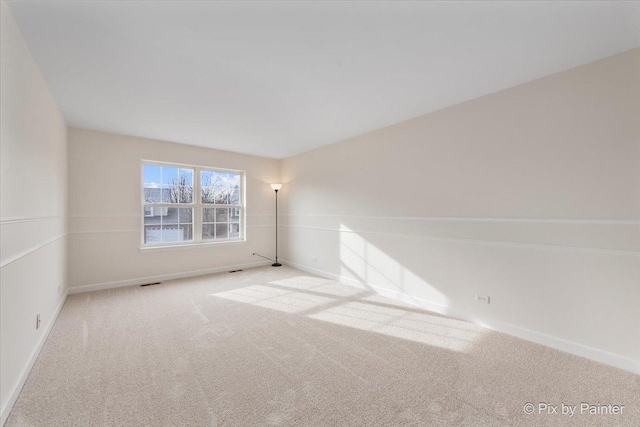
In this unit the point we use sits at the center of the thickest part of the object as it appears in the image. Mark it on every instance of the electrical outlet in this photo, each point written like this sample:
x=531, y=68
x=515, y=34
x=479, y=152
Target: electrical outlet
x=482, y=298
x=37, y=321
x=314, y=259
x=59, y=288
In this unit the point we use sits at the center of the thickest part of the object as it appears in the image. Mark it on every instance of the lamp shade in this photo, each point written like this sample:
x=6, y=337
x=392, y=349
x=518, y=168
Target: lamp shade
x=276, y=186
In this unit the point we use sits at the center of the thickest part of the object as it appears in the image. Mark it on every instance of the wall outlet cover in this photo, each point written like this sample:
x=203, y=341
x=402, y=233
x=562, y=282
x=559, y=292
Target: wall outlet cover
x=483, y=298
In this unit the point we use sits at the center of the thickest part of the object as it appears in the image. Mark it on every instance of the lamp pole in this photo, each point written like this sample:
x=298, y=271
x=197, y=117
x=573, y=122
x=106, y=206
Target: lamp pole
x=276, y=187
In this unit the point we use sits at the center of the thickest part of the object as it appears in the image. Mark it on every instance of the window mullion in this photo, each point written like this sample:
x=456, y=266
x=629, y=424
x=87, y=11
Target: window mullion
x=197, y=210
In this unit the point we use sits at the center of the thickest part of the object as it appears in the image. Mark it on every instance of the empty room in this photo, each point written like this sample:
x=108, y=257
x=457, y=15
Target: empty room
x=319, y=213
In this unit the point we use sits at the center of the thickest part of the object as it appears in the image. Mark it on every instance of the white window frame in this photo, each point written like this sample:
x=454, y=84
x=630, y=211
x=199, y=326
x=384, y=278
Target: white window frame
x=197, y=207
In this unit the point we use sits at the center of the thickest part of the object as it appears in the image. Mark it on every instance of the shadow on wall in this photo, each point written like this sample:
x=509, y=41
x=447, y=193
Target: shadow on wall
x=328, y=301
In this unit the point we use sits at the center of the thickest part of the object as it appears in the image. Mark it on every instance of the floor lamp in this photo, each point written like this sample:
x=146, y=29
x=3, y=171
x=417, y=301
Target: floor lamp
x=276, y=187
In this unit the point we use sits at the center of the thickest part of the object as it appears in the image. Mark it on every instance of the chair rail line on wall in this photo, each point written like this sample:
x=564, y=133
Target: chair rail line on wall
x=18, y=219
x=29, y=251
x=138, y=215
x=481, y=219
x=616, y=252
x=137, y=230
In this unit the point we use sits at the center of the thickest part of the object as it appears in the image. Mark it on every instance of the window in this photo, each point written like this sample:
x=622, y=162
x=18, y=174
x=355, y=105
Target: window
x=191, y=204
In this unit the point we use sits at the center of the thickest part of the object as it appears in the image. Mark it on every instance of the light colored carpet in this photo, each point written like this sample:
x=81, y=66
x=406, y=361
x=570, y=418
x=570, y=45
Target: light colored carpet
x=275, y=346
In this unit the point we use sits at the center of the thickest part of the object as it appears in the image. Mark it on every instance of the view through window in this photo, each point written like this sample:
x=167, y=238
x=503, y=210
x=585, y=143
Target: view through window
x=191, y=204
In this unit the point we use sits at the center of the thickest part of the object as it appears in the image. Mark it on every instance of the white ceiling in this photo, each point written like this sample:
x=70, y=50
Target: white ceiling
x=278, y=78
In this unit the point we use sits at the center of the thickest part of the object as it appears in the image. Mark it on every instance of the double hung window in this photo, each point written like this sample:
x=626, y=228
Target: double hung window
x=184, y=204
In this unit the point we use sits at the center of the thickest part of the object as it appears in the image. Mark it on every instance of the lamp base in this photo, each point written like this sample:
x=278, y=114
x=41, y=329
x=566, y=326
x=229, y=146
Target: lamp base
x=276, y=264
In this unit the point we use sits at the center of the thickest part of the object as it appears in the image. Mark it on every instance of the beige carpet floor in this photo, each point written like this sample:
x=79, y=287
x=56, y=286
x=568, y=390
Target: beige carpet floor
x=275, y=346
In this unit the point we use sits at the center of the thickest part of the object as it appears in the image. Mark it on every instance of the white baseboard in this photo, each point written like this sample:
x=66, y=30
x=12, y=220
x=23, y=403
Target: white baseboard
x=602, y=356
x=162, y=277
x=17, y=388
x=577, y=349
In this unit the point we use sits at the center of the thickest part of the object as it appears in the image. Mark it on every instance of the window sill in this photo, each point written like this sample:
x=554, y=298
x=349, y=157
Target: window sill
x=194, y=245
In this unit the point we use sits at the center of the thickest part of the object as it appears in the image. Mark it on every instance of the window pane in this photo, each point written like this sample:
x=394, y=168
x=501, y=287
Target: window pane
x=186, y=176
x=222, y=214
x=151, y=175
x=210, y=184
x=180, y=185
x=167, y=224
x=221, y=231
x=234, y=230
x=208, y=214
x=207, y=194
x=208, y=231
x=175, y=215
x=234, y=196
x=179, y=194
x=169, y=175
x=166, y=194
x=222, y=197
x=176, y=233
x=185, y=215
x=153, y=194
x=170, y=215
x=167, y=184
x=187, y=231
x=220, y=188
x=152, y=234
x=217, y=195
x=234, y=185
x=234, y=179
x=206, y=178
x=153, y=215
x=234, y=215
x=169, y=179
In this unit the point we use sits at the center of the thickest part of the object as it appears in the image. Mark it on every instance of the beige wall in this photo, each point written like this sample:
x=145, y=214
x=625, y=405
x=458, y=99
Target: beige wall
x=33, y=201
x=530, y=195
x=105, y=211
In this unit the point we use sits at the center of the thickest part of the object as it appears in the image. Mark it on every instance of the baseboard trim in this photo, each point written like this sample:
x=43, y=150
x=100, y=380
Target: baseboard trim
x=577, y=349
x=15, y=392
x=161, y=277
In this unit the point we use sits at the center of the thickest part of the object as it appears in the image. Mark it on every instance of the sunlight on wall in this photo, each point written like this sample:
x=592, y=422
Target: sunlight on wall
x=329, y=301
x=364, y=262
